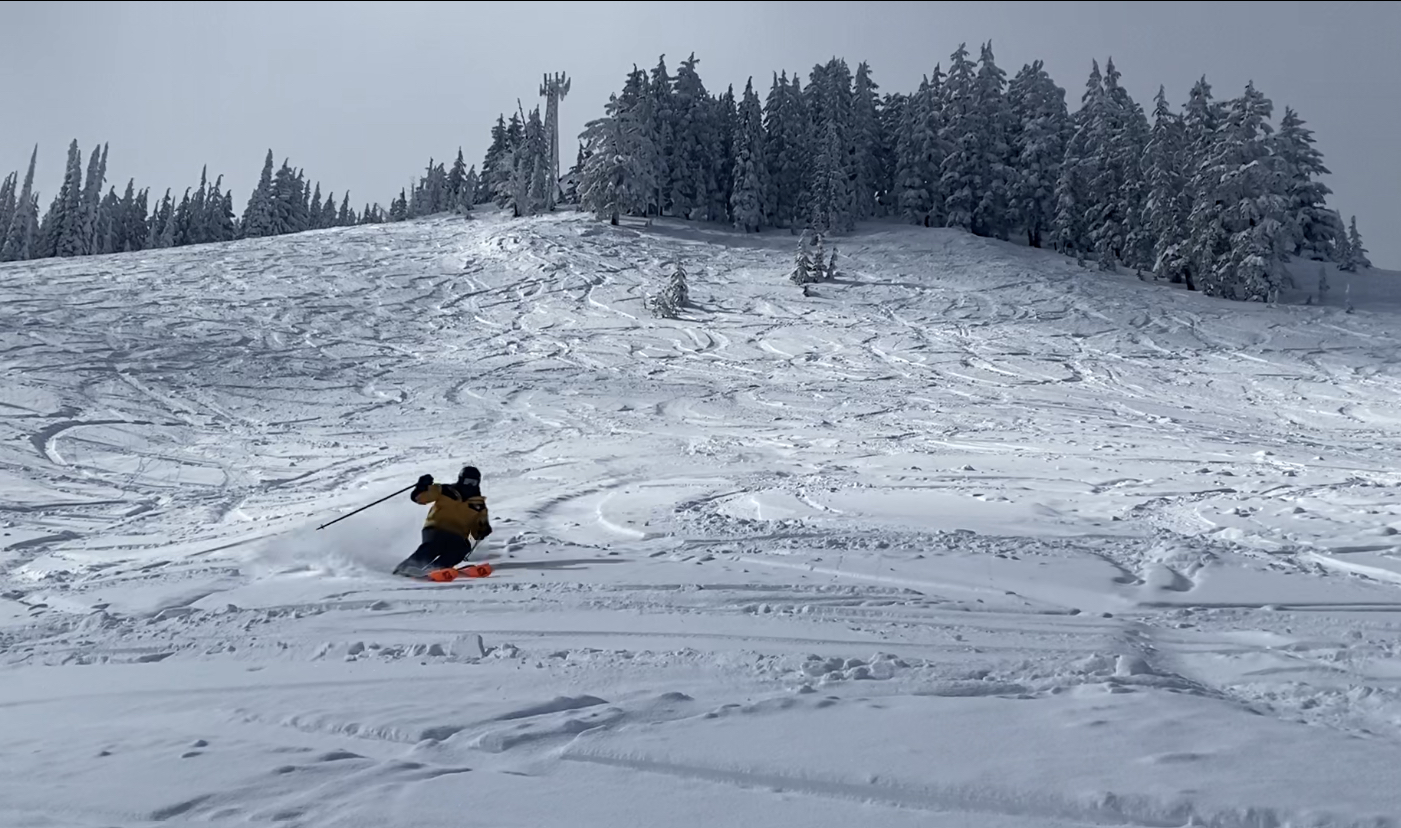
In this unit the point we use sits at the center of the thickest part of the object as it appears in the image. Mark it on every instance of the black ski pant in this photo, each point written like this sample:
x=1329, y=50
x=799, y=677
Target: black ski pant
x=439, y=550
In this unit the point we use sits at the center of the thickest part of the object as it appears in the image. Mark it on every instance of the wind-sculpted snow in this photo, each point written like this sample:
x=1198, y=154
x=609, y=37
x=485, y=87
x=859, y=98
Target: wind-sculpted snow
x=969, y=536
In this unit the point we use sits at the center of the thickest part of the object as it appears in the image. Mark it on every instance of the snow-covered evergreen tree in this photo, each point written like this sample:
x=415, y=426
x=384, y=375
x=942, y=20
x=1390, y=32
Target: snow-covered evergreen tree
x=314, y=209
x=16, y=243
x=995, y=175
x=456, y=178
x=819, y=259
x=1166, y=205
x=1238, y=232
x=1117, y=134
x=866, y=145
x=398, y=208
x=467, y=193
x=962, y=136
x=161, y=224
x=284, y=200
x=7, y=201
x=493, y=163
x=890, y=114
x=829, y=98
x=1074, y=198
x=693, y=167
x=180, y=236
x=1041, y=125
x=1354, y=254
x=505, y=185
x=786, y=148
x=258, y=220
x=675, y=295
x=91, y=198
x=617, y=176
x=655, y=114
x=726, y=118
x=803, y=273
x=750, y=177
x=223, y=225
x=1316, y=228
x=133, y=219
x=107, y=226
x=67, y=224
x=919, y=155
x=531, y=190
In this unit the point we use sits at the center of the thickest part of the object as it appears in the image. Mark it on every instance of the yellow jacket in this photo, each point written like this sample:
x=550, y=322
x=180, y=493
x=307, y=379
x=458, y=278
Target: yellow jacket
x=456, y=510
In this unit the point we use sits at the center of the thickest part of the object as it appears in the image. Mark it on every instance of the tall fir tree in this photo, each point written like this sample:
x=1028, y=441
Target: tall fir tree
x=618, y=176
x=1316, y=229
x=493, y=163
x=538, y=166
x=919, y=155
x=223, y=224
x=7, y=202
x=91, y=199
x=457, y=177
x=258, y=217
x=725, y=118
x=657, y=116
x=829, y=100
x=961, y=134
x=314, y=209
x=786, y=149
x=1237, y=231
x=1354, y=254
x=505, y=183
x=1074, y=198
x=692, y=167
x=18, y=238
x=1166, y=204
x=1117, y=135
x=750, y=175
x=133, y=219
x=398, y=208
x=1040, y=128
x=868, y=185
x=995, y=175
x=70, y=225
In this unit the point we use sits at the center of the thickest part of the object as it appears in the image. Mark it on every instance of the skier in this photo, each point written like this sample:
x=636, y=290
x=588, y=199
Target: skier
x=458, y=515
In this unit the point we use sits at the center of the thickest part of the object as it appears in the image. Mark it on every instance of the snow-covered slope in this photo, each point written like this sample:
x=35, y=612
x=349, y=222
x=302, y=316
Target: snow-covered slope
x=971, y=536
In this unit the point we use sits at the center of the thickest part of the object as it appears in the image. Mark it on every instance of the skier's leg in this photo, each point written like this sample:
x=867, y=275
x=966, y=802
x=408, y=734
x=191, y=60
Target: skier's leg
x=451, y=551
x=421, y=561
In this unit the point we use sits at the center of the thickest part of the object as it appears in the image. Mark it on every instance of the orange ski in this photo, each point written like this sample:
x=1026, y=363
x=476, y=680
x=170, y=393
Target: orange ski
x=480, y=570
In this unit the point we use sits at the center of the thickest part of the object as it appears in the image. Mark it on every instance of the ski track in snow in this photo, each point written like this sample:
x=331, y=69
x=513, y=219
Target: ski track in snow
x=969, y=536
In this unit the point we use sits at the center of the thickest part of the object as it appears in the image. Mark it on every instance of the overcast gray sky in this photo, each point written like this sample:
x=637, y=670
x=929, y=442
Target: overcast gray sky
x=361, y=94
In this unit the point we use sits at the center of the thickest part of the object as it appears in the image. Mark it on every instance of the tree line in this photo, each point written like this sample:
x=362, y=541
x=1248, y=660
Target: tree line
x=1212, y=195
x=81, y=220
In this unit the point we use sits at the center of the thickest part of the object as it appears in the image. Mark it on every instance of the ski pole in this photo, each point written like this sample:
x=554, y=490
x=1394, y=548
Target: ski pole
x=367, y=505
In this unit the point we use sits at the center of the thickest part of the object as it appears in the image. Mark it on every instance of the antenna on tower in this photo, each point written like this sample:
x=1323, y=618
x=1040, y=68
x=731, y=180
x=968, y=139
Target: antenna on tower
x=553, y=89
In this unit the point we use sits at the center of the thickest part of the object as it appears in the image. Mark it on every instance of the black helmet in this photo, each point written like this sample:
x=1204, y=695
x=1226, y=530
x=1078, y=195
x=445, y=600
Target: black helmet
x=469, y=476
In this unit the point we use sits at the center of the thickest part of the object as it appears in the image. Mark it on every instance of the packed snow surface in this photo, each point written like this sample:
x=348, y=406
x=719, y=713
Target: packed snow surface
x=970, y=536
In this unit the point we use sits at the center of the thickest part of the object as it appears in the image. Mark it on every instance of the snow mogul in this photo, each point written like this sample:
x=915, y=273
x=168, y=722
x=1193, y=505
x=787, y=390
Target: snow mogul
x=457, y=515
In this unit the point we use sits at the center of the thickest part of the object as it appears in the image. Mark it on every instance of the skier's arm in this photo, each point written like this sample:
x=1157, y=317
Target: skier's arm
x=426, y=491
x=483, y=527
